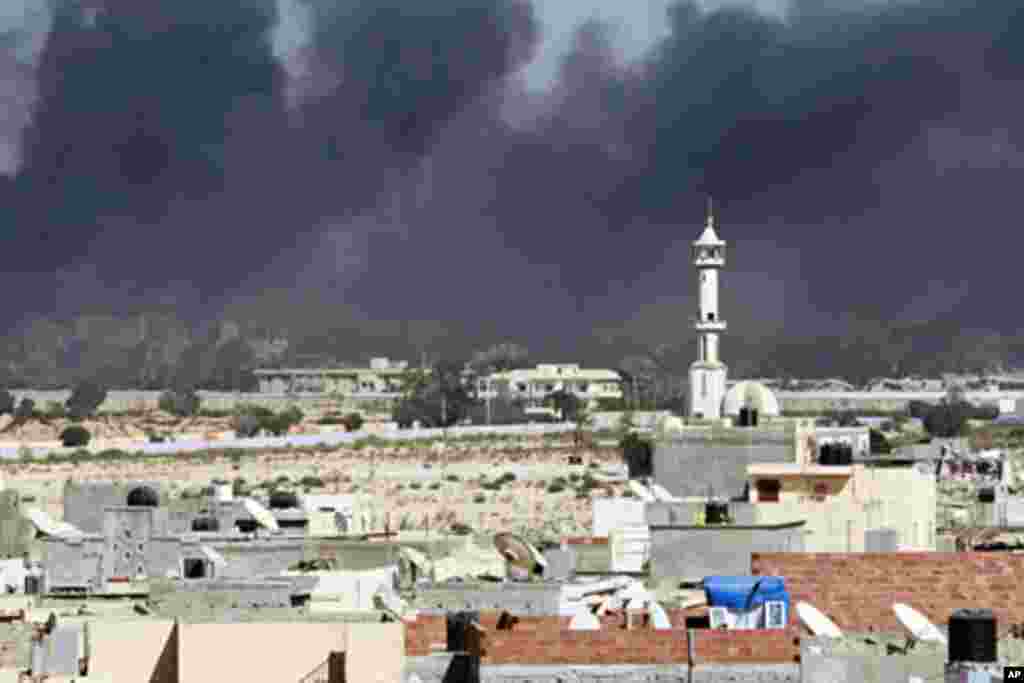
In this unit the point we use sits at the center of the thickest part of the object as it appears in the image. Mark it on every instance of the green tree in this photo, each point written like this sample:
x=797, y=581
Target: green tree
x=184, y=403
x=568, y=405
x=6, y=402
x=85, y=399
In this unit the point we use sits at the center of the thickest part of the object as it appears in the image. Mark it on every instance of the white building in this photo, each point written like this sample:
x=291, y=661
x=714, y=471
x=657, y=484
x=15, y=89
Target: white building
x=535, y=384
x=708, y=373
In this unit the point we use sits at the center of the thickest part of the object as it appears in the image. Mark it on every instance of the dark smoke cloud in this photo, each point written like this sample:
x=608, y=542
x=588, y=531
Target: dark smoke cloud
x=853, y=148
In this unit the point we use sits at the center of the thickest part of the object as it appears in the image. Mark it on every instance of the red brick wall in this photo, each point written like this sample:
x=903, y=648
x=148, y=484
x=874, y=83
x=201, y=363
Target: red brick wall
x=857, y=590
x=774, y=646
x=425, y=634
x=547, y=640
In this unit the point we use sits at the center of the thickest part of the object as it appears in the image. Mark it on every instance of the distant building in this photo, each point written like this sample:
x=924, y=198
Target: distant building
x=383, y=378
x=535, y=384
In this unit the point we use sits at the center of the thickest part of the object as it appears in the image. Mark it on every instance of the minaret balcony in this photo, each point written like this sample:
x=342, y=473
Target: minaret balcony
x=709, y=325
x=709, y=262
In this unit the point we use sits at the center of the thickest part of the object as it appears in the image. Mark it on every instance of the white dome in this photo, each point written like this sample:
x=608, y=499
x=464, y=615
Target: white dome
x=752, y=395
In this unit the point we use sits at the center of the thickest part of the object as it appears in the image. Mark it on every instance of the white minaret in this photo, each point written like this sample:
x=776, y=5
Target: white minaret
x=707, y=374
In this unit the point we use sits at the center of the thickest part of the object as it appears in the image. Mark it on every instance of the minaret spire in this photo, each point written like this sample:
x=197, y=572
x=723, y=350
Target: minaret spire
x=711, y=211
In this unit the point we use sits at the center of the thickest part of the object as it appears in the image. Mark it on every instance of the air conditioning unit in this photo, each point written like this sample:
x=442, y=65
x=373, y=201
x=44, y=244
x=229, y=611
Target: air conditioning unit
x=775, y=614
x=719, y=617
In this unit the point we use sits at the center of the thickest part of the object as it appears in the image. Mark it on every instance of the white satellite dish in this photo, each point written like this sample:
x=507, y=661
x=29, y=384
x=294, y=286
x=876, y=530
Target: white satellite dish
x=659, y=618
x=518, y=552
x=816, y=622
x=261, y=514
x=662, y=494
x=918, y=625
x=640, y=491
x=584, y=620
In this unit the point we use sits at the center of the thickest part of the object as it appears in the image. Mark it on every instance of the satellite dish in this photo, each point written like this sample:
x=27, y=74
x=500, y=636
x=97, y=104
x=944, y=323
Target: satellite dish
x=260, y=514
x=641, y=491
x=662, y=494
x=816, y=622
x=518, y=552
x=584, y=620
x=659, y=618
x=918, y=625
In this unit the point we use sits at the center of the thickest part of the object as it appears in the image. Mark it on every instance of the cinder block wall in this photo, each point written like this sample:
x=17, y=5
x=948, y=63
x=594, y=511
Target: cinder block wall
x=857, y=590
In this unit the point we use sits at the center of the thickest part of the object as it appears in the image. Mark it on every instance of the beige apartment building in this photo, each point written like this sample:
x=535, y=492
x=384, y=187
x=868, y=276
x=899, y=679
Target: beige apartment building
x=534, y=384
x=840, y=503
x=383, y=378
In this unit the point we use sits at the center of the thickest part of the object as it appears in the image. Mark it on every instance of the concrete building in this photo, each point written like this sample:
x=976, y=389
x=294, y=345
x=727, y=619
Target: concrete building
x=840, y=503
x=382, y=379
x=533, y=385
x=713, y=459
x=708, y=373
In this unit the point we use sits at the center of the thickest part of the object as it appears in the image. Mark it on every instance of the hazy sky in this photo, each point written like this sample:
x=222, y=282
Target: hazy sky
x=355, y=164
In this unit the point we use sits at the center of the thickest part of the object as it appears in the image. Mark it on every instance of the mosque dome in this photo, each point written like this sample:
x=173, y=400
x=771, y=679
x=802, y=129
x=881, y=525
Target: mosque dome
x=751, y=395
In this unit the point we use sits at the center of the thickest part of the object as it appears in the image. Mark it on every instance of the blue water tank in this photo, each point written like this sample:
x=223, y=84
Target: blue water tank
x=745, y=592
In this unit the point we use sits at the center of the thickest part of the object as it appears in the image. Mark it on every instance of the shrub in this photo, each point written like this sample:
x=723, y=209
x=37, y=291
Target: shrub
x=460, y=529
x=75, y=435
x=84, y=400
x=453, y=478
x=6, y=402
x=25, y=410
x=239, y=487
x=638, y=454
x=435, y=486
x=180, y=403
x=479, y=498
x=55, y=410
x=556, y=487
x=416, y=486
x=311, y=482
x=247, y=426
x=353, y=422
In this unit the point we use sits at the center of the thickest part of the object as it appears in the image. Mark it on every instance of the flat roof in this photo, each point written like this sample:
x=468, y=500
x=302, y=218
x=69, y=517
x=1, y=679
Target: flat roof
x=720, y=527
x=792, y=469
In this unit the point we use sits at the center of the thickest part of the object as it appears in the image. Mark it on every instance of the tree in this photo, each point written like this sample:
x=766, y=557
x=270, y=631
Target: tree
x=638, y=454
x=183, y=403
x=85, y=398
x=353, y=422
x=879, y=444
x=568, y=405
x=6, y=402
x=25, y=410
x=435, y=399
x=74, y=436
x=499, y=358
x=246, y=426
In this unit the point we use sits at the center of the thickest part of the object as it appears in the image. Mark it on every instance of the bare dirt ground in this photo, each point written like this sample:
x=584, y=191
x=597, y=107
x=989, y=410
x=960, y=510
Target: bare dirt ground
x=406, y=486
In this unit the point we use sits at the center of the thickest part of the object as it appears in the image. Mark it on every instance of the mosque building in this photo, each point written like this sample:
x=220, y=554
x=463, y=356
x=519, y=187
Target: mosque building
x=709, y=397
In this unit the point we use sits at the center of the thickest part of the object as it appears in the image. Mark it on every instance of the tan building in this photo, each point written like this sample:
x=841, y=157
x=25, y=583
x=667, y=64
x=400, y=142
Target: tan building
x=840, y=503
x=534, y=384
x=384, y=378
x=170, y=652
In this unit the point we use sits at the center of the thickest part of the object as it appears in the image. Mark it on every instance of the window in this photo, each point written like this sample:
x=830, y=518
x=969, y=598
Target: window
x=768, y=490
x=193, y=568
x=711, y=316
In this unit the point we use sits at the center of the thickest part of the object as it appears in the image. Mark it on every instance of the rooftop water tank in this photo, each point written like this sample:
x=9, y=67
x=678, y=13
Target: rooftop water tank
x=972, y=636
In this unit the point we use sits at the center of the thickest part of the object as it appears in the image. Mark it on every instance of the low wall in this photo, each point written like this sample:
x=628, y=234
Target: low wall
x=297, y=440
x=857, y=590
x=434, y=669
x=882, y=402
x=547, y=640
